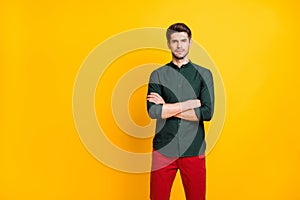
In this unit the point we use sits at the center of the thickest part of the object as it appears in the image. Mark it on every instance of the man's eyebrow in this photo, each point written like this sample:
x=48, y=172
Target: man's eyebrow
x=184, y=39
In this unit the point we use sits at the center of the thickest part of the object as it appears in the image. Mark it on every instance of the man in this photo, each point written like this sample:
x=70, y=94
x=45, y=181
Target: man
x=180, y=97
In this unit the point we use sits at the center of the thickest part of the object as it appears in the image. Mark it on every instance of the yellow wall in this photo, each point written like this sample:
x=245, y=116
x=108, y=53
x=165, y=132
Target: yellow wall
x=254, y=44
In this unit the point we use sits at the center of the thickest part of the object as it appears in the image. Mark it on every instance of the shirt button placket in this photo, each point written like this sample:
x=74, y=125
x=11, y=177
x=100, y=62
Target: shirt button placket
x=180, y=98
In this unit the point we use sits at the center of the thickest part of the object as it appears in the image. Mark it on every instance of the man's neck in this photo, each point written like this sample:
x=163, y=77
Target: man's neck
x=180, y=62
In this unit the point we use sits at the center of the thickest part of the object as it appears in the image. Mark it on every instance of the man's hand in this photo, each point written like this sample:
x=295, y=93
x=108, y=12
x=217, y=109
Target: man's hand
x=193, y=103
x=182, y=110
x=155, y=98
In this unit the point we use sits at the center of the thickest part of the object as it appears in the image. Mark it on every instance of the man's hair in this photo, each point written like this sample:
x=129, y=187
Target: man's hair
x=178, y=27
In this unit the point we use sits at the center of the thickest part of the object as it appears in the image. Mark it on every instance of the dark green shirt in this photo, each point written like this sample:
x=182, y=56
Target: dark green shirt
x=174, y=136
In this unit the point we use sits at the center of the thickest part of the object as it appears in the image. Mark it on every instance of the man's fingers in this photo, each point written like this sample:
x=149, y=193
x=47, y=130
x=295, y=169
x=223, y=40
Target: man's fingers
x=155, y=94
x=152, y=96
x=155, y=98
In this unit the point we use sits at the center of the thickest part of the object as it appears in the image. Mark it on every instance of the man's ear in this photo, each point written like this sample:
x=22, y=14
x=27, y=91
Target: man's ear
x=191, y=42
x=168, y=43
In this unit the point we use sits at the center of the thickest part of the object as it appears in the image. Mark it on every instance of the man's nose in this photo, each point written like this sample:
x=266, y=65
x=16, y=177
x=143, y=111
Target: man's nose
x=179, y=45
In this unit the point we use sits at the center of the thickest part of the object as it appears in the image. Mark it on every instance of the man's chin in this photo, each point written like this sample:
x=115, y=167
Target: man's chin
x=178, y=57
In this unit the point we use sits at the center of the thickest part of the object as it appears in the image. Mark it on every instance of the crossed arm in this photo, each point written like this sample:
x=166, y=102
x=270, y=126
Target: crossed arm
x=183, y=110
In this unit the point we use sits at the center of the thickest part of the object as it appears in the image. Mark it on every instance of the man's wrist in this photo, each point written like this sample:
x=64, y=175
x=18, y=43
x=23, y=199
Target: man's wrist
x=190, y=104
x=185, y=105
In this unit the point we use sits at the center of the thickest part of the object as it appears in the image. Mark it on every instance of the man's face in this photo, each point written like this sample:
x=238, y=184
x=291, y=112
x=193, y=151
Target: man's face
x=179, y=45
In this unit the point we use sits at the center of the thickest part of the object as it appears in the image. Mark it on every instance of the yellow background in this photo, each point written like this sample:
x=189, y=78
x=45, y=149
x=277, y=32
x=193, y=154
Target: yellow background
x=254, y=44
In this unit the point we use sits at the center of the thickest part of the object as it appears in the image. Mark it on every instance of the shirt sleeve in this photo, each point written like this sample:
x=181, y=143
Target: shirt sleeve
x=154, y=110
x=205, y=112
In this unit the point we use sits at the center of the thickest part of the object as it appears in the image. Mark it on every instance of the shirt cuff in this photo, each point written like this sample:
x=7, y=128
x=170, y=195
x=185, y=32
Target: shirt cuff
x=155, y=111
x=198, y=113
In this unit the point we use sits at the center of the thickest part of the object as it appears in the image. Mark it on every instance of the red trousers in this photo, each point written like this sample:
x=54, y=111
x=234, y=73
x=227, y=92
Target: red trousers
x=164, y=169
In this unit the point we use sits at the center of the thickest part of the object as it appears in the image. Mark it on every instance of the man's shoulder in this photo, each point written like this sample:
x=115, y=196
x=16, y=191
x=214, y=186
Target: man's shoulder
x=200, y=68
x=162, y=68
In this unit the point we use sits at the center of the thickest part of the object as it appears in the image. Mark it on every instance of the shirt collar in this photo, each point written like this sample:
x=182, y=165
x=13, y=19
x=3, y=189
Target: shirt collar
x=183, y=66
